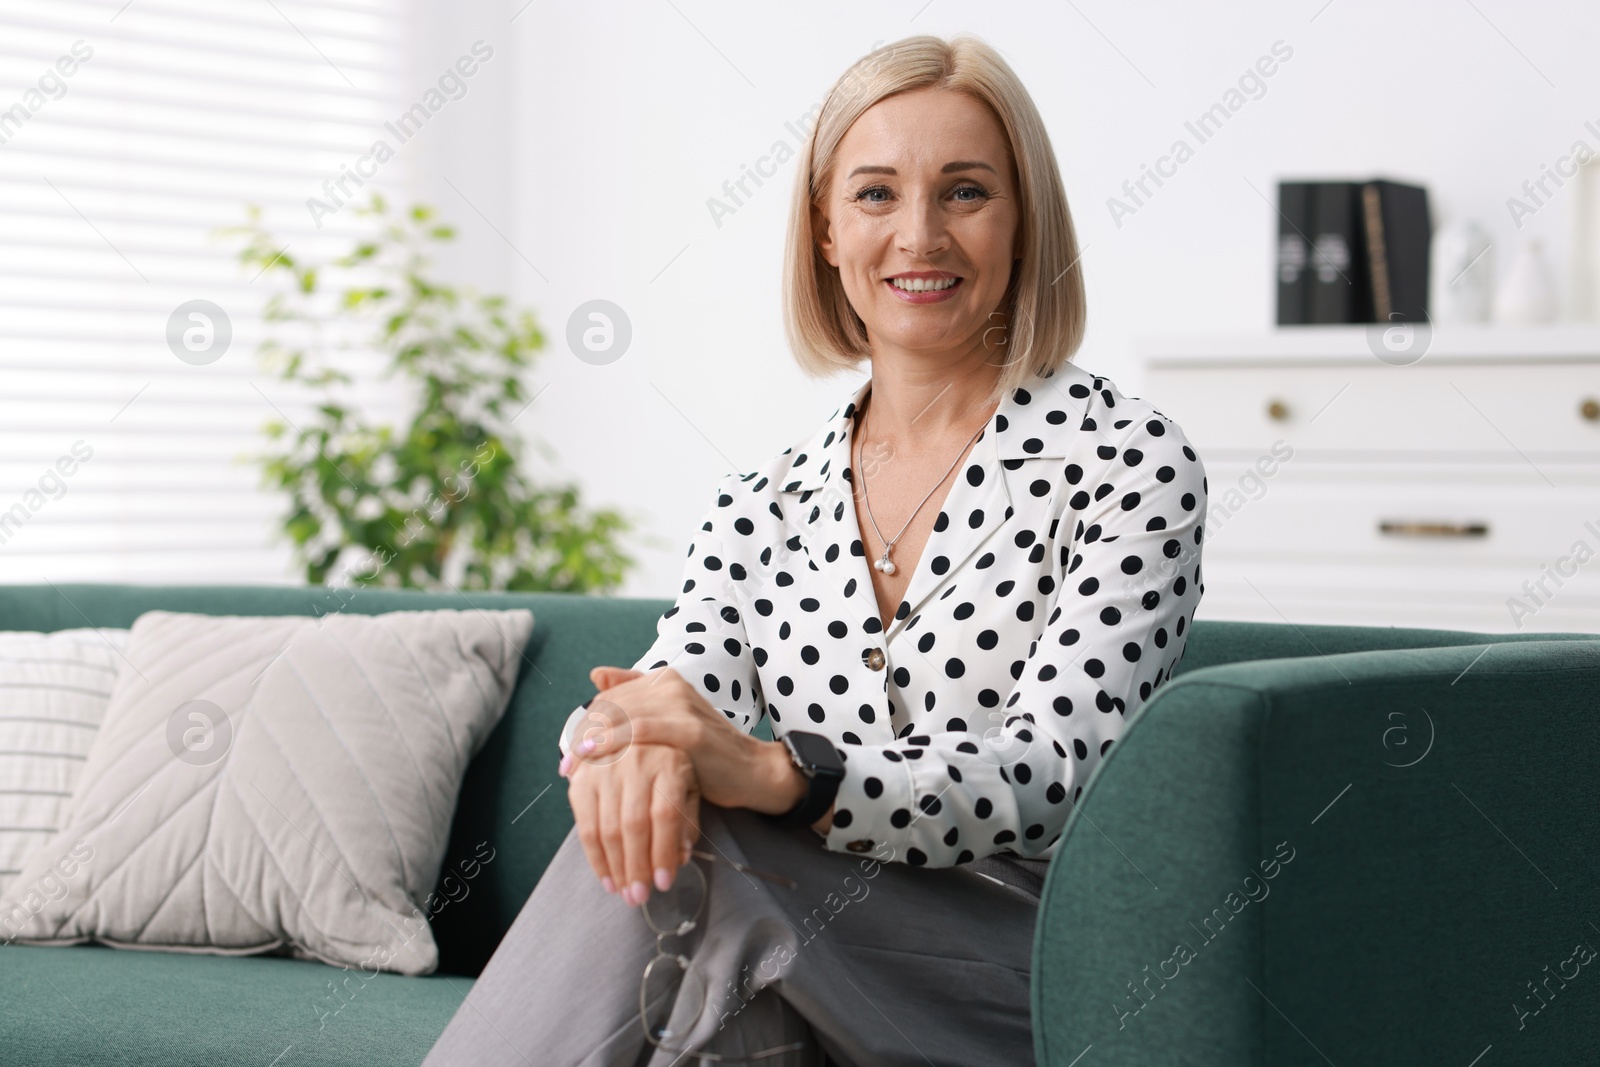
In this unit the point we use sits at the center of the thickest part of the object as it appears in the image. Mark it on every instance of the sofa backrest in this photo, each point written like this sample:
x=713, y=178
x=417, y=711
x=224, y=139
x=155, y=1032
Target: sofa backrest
x=1374, y=857
x=513, y=805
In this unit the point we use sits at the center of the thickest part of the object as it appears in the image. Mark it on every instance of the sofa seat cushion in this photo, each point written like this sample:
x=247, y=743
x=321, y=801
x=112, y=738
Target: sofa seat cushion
x=89, y=1005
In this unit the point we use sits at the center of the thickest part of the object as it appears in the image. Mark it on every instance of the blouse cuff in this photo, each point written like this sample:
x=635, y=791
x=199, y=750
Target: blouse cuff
x=875, y=804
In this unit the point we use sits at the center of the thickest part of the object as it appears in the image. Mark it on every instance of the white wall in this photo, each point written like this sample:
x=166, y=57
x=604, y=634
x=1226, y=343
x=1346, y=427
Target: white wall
x=602, y=129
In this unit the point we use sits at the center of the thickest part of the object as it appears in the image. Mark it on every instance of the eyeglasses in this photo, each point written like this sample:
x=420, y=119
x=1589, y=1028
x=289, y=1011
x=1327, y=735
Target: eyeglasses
x=671, y=985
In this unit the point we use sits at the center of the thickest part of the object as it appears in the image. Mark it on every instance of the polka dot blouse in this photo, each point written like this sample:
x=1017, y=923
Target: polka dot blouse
x=1052, y=598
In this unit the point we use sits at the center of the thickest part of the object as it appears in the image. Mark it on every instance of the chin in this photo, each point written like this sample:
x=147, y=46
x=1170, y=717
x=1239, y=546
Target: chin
x=927, y=334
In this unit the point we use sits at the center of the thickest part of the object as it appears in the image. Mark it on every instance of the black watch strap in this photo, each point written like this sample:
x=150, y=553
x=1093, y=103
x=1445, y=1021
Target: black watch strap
x=822, y=784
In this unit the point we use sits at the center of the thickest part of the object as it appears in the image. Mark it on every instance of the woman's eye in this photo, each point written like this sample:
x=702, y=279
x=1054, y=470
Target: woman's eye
x=869, y=194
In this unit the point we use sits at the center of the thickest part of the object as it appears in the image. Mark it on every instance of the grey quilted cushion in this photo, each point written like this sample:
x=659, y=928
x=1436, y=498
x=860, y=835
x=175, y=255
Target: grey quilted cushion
x=274, y=784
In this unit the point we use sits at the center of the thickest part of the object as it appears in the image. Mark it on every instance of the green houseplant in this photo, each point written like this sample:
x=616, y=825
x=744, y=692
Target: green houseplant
x=439, y=501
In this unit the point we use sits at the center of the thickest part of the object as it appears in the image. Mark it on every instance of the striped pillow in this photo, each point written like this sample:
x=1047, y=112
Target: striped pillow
x=54, y=688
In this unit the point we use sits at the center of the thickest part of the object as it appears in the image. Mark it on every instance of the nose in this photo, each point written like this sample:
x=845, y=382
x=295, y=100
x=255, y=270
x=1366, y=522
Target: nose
x=920, y=230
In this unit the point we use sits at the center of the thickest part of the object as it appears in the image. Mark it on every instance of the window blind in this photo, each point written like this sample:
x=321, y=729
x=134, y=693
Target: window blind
x=130, y=131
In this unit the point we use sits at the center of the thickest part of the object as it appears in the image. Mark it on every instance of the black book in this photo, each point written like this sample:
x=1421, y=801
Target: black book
x=1341, y=291
x=1294, y=252
x=1397, y=232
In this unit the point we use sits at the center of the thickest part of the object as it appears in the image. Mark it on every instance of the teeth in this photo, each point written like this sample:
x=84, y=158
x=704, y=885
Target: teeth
x=923, y=285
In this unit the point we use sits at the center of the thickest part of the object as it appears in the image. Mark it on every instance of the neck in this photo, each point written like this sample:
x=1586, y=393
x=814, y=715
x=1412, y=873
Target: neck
x=930, y=404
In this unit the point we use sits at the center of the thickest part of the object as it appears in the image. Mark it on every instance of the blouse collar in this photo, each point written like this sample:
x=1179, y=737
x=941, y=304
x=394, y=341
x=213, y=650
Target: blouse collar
x=1043, y=419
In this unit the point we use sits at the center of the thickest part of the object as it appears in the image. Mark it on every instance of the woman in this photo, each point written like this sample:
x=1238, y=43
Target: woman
x=947, y=600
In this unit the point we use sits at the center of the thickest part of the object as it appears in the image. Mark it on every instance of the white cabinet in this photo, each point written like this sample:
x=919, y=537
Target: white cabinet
x=1460, y=491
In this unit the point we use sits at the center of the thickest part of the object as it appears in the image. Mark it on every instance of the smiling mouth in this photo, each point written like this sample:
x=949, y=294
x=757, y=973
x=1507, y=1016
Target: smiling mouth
x=924, y=285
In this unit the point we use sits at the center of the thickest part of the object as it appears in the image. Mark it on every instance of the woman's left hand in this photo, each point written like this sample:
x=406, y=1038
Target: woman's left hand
x=735, y=770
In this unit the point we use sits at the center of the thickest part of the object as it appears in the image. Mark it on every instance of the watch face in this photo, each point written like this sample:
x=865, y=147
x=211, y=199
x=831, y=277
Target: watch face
x=816, y=752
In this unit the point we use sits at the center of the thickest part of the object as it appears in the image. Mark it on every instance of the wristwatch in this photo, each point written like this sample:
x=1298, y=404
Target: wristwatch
x=819, y=761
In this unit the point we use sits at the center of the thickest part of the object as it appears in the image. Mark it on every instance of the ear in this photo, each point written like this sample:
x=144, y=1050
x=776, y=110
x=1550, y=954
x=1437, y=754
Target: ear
x=822, y=229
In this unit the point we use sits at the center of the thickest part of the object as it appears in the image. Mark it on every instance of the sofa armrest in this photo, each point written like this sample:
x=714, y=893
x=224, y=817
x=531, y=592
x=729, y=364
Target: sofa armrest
x=1214, y=642
x=1349, y=857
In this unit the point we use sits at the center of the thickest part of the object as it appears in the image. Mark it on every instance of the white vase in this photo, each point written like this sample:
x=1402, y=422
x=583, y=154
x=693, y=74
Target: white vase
x=1461, y=281
x=1527, y=294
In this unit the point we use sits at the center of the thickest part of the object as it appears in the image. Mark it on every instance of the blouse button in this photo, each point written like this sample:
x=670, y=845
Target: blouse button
x=863, y=845
x=874, y=658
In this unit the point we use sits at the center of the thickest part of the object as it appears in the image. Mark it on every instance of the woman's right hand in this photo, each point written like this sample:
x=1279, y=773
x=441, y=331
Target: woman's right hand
x=637, y=817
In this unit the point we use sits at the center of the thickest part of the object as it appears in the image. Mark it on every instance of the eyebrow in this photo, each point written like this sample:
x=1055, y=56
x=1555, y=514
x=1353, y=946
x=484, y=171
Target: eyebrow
x=948, y=168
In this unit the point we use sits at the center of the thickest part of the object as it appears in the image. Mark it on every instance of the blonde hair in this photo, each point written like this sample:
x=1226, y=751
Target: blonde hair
x=1045, y=312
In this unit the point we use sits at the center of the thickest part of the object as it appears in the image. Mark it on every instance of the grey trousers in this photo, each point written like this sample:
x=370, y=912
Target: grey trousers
x=867, y=963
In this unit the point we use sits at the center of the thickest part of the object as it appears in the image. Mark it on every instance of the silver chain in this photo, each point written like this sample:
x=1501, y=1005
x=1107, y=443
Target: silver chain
x=885, y=564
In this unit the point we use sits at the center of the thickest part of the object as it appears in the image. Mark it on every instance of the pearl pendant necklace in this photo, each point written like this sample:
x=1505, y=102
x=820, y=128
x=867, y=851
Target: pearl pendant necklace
x=884, y=563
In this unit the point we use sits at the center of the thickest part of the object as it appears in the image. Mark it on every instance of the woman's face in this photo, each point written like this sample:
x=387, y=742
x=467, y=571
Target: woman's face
x=923, y=189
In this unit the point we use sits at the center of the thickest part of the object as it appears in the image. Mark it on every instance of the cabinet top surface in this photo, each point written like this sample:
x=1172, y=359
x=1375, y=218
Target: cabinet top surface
x=1310, y=345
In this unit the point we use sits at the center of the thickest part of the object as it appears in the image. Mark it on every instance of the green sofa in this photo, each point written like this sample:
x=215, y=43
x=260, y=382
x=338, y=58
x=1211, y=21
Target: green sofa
x=1403, y=926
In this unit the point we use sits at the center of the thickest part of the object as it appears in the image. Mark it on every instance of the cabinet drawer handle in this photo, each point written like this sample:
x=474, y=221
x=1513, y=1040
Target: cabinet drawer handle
x=1405, y=528
x=1590, y=409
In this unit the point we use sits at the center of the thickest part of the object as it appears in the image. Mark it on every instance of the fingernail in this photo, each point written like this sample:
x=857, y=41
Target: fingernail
x=566, y=762
x=663, y=878
x=640, y=892
x=608, y=885
x=587, y=745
